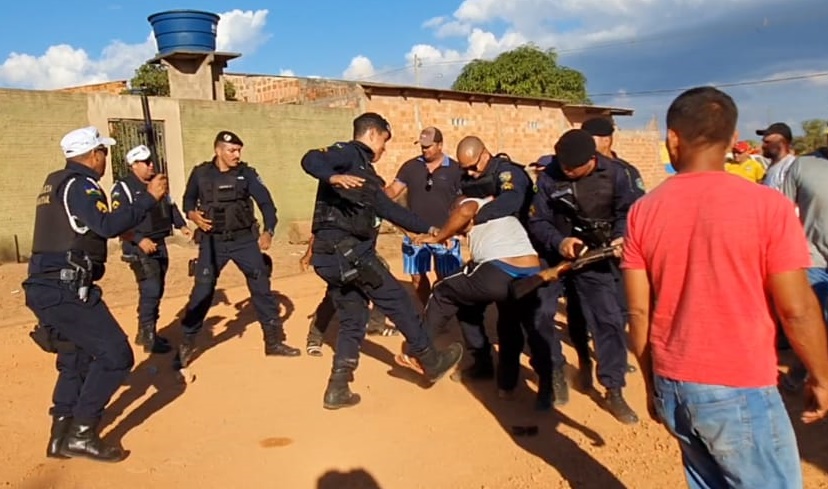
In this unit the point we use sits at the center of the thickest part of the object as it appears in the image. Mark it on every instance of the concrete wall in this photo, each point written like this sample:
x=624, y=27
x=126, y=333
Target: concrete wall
x=31, y=126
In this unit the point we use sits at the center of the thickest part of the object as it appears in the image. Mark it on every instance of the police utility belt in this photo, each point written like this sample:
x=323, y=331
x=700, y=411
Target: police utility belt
x=361, y=271
x=78, y=278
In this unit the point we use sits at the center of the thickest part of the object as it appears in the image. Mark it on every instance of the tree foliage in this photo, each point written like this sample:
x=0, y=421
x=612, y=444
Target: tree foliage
x=813, y=137
x=524, y=71
x=154, y=78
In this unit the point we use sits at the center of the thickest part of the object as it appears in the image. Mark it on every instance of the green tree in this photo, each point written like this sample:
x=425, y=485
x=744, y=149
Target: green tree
x=154, y=78
x=525, y=71
x=813, y=136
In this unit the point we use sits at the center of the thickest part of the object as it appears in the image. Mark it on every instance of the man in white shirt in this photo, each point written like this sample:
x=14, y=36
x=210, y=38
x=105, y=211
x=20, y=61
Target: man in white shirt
x=501, y=252
x=776, y=147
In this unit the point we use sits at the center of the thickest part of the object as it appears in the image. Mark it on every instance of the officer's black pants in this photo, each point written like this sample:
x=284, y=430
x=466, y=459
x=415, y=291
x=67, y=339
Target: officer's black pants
x=597, y=291
x=89, y=376
x=324, y=314
x=575, y=320
x=351, y=303
x=151, y=278
x=466, y=295
x=213, y=255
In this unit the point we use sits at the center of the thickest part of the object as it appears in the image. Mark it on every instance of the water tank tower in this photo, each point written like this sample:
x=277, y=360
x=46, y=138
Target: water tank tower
x=186, y=42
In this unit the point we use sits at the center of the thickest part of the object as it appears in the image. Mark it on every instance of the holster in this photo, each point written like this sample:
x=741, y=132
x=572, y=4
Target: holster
x=364, y=271
x=143, y=266
x=191, y=266
x=49, y=340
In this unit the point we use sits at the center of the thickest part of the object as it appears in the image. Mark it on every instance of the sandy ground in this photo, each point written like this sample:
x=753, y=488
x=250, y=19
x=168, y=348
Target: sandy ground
x=254, y=422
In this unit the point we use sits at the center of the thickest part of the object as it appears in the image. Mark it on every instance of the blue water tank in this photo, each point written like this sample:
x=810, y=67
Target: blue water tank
x=184, y=30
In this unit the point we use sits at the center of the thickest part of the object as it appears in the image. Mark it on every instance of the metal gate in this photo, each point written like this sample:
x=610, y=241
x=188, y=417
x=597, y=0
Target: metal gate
x=130, y=133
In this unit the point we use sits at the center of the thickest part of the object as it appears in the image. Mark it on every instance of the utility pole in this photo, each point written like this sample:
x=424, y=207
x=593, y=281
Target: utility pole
x=417, y=66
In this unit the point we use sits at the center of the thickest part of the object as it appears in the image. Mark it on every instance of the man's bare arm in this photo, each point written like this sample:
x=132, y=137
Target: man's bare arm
x=459, y=219
x=637, y=286
x=394, y=190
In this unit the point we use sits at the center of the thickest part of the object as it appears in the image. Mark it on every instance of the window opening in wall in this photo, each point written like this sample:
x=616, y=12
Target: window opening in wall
x=130, y=133
x=459, y=122
x=534, y=125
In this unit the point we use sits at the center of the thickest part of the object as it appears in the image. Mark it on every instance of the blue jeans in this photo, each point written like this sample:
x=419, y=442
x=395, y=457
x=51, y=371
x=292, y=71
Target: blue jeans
x=730, y=437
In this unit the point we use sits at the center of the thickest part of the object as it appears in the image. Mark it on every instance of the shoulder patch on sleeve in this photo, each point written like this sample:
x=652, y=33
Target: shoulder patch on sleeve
x=640, y=184
x=101, y=206
x=505, y=176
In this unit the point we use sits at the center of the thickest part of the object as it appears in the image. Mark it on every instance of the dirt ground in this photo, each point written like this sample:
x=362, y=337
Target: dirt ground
x=254, y=422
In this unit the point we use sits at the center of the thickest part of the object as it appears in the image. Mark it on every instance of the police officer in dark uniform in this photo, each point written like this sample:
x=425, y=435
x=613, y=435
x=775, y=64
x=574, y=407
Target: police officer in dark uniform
x=511, y=186
x=69, y=251
x=350, y=202
x=218, y=199
x=602, y=131
x=582, y=200
x=146, y=251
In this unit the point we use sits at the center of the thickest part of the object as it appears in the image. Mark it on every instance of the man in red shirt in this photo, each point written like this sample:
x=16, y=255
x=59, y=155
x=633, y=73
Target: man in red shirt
x=700, y=269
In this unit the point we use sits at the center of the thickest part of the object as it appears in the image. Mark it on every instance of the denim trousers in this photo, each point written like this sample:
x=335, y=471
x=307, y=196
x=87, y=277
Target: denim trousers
x=730, y=437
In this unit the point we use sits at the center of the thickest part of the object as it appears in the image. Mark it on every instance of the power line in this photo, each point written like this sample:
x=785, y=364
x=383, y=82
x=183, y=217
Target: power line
x=719, y=85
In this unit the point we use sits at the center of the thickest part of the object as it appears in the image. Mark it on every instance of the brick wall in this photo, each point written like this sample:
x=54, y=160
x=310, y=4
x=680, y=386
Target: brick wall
x=292, y=90
x=642, y=149
x=31, y=128
x=112, y=88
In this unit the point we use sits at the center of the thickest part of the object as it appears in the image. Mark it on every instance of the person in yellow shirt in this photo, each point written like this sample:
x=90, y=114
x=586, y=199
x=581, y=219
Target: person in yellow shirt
x=743, y=165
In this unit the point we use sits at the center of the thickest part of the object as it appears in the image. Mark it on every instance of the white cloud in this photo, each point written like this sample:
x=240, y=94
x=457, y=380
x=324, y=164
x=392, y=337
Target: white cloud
x=286, y=73
x=359, y=69
x=64, y=66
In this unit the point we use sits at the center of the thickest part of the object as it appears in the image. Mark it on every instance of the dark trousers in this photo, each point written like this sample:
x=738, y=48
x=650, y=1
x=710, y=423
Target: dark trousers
x=351, y=304
x=150, y=274
x=213, y=255
x=597, y=293
x=467, y=294
x=89, y=376
x=575, y=320
x=324, y=314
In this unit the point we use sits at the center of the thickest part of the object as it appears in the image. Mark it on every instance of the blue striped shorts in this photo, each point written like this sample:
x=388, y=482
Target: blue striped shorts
x=417, y=259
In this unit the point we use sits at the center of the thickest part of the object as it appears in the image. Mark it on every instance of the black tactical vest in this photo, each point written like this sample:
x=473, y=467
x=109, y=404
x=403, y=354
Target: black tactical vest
x=584, y=208
x=225, y=198
x=158, y=222
x=53, y=233
x=350, y=210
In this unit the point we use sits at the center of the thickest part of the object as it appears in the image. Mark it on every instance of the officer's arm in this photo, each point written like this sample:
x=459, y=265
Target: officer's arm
x=324, y=163
x=88, y=204
x=541, y=218
x=190, y=200
x=263, y=198
x=177, y=217
x=513, y=190
x=399, y=215
x=399, y=184
x=623, y=199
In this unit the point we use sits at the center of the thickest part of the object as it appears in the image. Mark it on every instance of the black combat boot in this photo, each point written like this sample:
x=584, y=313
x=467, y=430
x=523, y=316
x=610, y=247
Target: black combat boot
x=560, y=388
x=81, y=440
x=274, y=338
x=186, y=351
x=338, y=395
x=619, y=408
x=60, y=426
x=149, y=339
x=436, y=364
x=482, y=368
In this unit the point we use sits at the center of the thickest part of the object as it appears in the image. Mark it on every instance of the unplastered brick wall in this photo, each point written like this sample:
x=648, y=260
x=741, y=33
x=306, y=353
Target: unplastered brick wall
x=292, y=90
x=642, y=149
x=112, y=88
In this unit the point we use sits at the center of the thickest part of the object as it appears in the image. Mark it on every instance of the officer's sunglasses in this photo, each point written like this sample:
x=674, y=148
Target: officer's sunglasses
x=475, y=166
x=429, y=183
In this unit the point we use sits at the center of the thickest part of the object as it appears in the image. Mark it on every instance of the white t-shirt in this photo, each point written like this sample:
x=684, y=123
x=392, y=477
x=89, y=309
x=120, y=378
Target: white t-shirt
x=775, y=175
x=498, y=239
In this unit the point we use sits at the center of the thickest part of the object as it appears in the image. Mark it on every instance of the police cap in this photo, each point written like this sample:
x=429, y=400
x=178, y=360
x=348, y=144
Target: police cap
x=575, y=148
x=598, y=126
x=228, y=137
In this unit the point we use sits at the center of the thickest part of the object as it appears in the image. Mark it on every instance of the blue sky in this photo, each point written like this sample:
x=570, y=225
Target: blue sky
x=624, y=47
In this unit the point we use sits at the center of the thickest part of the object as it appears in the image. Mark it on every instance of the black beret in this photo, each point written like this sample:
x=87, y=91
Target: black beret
x=598, y=126
x=228, y=137
x=575, y=148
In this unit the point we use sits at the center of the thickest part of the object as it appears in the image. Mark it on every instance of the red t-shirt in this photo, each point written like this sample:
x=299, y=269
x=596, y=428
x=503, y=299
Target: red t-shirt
x=709, y=241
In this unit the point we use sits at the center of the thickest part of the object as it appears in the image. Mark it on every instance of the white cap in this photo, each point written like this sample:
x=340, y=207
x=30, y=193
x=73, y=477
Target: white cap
x=138, y=153
x=82, y=141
